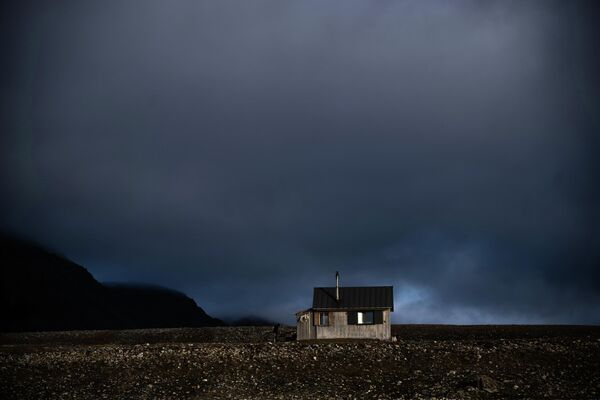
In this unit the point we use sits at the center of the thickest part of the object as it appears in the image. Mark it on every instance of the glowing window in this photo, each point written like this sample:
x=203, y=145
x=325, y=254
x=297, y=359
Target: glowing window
x=364, y=317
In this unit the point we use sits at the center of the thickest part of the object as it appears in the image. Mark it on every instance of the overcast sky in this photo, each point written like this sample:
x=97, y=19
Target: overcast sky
x=243, y=151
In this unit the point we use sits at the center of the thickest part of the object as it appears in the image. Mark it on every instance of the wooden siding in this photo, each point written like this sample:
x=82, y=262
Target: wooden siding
x=338, y=327
x=304, y=328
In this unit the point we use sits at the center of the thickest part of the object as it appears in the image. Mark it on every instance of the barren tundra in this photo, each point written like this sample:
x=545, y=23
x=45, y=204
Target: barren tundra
x=442, y=362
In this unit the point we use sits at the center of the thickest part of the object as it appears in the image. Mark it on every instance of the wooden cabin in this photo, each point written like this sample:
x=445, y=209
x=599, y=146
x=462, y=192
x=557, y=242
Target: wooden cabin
x=347, y=313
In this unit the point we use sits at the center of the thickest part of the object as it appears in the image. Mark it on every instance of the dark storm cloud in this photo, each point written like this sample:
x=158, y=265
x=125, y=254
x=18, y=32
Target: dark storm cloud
x=447, y=148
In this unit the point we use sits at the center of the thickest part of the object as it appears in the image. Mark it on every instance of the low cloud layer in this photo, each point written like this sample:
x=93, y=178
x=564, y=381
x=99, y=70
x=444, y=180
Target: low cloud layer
x=244, y=151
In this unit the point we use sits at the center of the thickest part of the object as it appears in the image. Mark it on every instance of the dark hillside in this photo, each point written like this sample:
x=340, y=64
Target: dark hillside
x=40, y=290
x=157, y=307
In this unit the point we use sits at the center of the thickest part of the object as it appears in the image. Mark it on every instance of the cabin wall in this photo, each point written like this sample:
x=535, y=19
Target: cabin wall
x=305, y=328
x=338, y=328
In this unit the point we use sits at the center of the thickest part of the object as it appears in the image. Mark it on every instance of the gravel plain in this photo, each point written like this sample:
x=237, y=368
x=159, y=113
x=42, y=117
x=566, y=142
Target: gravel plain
x=426, y=362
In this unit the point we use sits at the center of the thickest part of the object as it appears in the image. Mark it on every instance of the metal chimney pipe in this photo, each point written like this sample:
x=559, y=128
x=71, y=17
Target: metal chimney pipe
x=337, y=286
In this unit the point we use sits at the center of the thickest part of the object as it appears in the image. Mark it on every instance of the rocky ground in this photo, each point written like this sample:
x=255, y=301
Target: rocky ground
x=442, y=362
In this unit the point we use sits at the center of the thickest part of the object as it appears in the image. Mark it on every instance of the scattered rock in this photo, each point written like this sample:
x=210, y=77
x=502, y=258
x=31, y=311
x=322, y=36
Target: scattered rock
x=239, y=363
x=487, y=384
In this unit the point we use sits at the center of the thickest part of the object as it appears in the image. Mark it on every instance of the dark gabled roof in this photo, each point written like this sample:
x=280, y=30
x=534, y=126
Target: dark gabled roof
x=354, y=297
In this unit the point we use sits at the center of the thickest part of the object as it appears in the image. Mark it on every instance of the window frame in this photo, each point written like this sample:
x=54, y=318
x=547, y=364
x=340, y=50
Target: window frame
x=360, y=317
x=324, y=315
x=320, y=316
x=379, y=317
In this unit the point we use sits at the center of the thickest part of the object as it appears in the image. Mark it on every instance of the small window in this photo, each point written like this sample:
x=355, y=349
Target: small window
x=323, y=319
x=364, y=317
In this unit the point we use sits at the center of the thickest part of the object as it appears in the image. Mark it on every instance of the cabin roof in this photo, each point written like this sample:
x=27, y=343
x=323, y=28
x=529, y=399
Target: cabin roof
x=354, y=297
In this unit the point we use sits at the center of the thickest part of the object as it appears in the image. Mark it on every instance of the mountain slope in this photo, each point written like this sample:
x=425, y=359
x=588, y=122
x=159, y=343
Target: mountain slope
x=158, y=307
x=40, y=290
